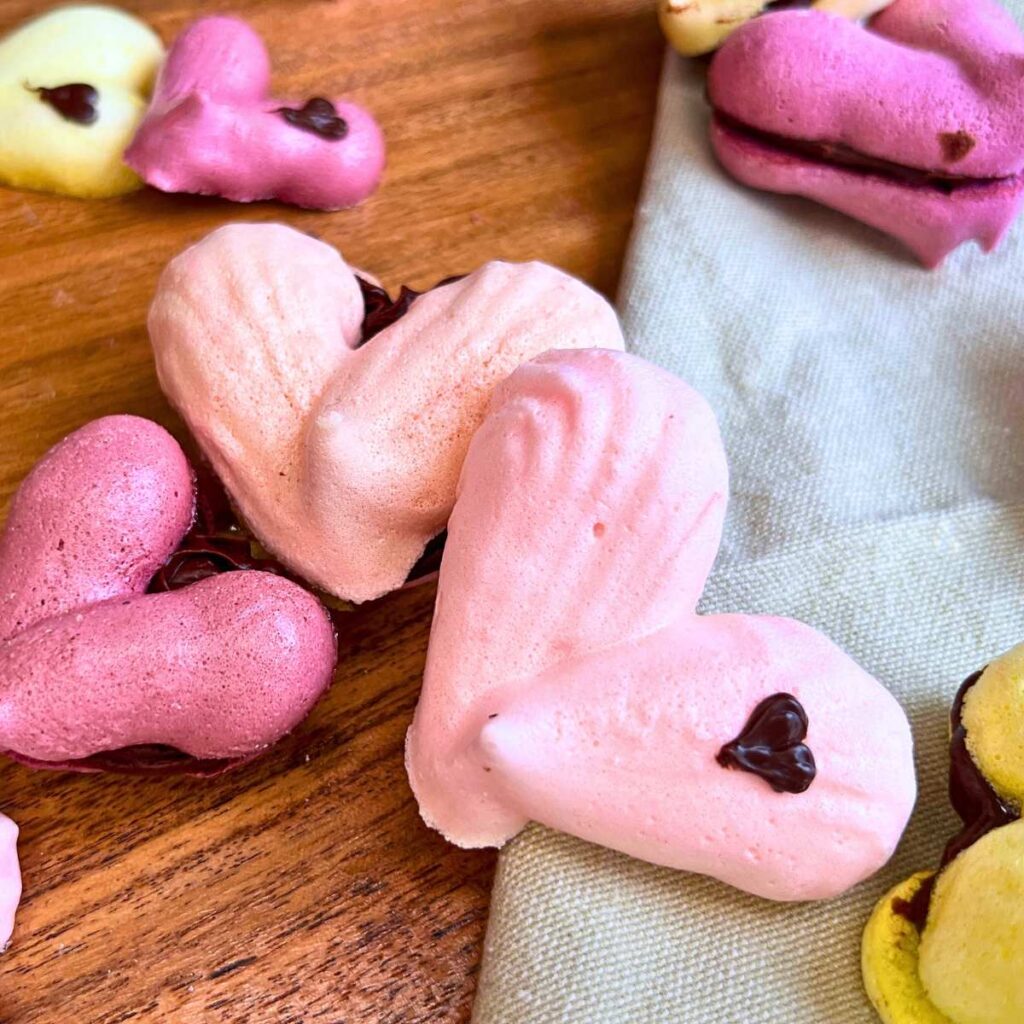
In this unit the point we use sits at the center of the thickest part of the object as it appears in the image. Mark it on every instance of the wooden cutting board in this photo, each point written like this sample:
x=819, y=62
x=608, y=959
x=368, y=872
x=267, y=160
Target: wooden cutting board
x=303, y=888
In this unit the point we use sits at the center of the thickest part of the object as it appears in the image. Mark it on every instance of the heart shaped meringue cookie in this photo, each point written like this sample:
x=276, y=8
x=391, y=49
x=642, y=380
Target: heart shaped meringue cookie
x=213, y=128
x=342, y=458
x=91, y=665
x=914, y=126
x=73, y=88
x=569, y=680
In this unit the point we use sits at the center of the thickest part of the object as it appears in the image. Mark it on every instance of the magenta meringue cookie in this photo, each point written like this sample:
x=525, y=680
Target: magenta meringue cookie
x=10, y=879
x=91, y=665
x=213, y=129
x=914, y=125
x=569, y=680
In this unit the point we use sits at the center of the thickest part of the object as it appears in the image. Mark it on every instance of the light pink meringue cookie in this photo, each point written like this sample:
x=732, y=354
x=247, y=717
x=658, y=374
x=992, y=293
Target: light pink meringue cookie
x=569, y=680
x=343, y=460
x=90, y=663
x=212, y=129
x=10, y=879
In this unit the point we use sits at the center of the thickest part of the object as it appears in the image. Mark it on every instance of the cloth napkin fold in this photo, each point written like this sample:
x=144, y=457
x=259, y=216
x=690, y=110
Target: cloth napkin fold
x=873, y=414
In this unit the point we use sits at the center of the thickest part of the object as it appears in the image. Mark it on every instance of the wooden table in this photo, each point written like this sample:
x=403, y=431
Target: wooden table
x=303, y=888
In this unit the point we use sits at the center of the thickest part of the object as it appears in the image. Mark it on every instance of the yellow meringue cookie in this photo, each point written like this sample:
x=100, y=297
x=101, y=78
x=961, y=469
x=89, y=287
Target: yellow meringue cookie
x=695, y=27
x=993, y=715
x=890, y=951
x=972, y=949
x=77, y=152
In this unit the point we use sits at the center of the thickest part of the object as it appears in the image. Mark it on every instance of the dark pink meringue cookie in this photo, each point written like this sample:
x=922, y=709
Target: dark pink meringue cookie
x=94, y=672
x=213, y=129
x=914, y=125
x=96, y=518
x=220, y=670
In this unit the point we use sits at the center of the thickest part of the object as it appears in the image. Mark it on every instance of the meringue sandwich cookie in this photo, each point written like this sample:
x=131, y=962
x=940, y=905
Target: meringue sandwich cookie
x=914, y=126
x=94, y=672
x=947, y=947
x=582, y=691
x=73, y=88
x=696, y=27
x=213, y=128
x=343, y=457
x=10, y=879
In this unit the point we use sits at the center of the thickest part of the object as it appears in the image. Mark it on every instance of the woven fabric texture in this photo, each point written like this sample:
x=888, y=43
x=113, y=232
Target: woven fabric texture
x=873, y=413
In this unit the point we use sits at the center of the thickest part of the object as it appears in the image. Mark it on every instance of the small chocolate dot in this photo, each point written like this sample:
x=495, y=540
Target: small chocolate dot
x=318, y=116
x=74, y=102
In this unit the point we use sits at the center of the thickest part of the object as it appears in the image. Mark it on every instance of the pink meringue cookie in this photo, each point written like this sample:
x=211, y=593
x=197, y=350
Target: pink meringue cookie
x=213, y=129
x=578, y=688
x=914, y=126
x=342, y=459
x=91, y=664
x=10, y=879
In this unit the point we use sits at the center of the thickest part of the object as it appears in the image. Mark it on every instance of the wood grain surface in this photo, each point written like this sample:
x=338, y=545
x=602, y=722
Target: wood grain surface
x=303, y=888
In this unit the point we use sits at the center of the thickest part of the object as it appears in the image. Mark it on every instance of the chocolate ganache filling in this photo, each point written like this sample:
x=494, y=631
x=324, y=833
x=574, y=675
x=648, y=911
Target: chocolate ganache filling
x=954, y=146
x=218, y=542
x=76, y=101
x=771, y=745
x=978, y=805
x=382, y=310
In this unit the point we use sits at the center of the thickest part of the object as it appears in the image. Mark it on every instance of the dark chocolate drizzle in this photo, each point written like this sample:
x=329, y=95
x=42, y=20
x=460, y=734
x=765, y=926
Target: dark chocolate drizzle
x=771, y=745
x=382, y=310
x=216, y=543
x=978, y=805
x=915, y=910
x=318, y=116
x=837, y=154
x=76, y=101
x=150, y=759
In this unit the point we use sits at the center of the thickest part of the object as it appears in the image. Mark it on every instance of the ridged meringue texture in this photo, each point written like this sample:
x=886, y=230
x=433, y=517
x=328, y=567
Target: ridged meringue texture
x=916, y=125
x=343, y=460
x=10, y=879
x=569, y=680
x=696, y=27
x=90, y=663
x=73, y=88
x=960, y=958
x=213, y=129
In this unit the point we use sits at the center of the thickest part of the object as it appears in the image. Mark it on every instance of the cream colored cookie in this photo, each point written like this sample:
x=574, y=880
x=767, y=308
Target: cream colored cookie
x=695, y=27
x=890, y=951
x=972, y=949
x=993, y=715
x=73, y=88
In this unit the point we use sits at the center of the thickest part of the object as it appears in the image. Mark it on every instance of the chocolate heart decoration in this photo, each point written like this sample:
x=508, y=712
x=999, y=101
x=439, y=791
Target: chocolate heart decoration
x=213, y=128
x=343, y=457
x=94, y=672
x=771, y=745
x=914, y=126
x=570, y=681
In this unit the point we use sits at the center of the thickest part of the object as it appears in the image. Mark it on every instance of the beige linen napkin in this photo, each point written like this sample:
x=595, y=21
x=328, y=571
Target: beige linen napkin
x=873, y=413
